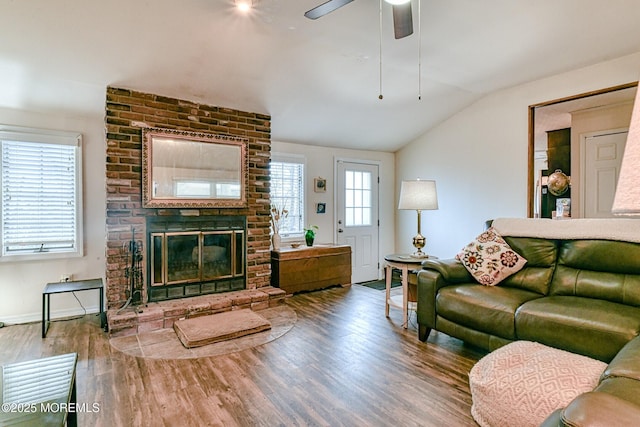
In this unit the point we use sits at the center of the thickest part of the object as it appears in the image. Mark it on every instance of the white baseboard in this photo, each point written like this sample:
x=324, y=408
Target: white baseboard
x=55, y=314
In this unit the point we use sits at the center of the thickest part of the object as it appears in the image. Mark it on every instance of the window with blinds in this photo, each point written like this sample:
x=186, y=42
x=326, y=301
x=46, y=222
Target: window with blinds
x=41, y=212
x=287, y=192
x=40, y=380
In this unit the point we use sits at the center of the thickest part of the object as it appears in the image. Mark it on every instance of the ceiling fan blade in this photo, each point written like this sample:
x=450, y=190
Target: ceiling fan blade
x=325, y=8
x=402, y=20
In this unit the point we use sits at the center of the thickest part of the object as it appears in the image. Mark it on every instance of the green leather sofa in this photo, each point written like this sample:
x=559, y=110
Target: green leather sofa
x=616, y=399
x=579, y=295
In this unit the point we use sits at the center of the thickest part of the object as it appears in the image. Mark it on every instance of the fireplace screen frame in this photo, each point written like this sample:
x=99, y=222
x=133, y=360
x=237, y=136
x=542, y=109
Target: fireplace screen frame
x=203, y=282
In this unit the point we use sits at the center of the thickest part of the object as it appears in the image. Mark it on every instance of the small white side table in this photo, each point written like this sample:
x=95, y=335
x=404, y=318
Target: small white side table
x=404, y=263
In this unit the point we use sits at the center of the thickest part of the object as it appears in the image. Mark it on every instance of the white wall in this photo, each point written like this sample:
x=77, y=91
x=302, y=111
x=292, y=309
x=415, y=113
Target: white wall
x=21, y=283
x=479, y=157
x=320, y=162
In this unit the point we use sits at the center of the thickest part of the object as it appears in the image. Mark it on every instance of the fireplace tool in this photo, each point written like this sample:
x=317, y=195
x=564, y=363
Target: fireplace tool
x=133, y=271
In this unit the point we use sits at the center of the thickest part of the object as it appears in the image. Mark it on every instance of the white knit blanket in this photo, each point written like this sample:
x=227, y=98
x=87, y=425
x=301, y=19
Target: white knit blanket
x=624, y=229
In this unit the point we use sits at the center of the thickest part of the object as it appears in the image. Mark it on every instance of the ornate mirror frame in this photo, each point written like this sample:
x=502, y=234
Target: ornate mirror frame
x=183, y=169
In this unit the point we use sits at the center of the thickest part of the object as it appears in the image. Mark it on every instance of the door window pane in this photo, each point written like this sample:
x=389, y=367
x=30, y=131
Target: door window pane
x=357, y=198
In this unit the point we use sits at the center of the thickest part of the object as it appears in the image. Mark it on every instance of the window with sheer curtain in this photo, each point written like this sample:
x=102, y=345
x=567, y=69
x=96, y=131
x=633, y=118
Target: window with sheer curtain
x=41, y=193
x=287, y=192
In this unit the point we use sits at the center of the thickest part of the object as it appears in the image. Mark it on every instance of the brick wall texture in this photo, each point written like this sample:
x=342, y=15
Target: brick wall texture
x=127, y=111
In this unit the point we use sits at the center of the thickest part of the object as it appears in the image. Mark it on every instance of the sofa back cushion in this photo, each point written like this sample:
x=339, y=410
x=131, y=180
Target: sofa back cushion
x=602, y=269
x=541, y=257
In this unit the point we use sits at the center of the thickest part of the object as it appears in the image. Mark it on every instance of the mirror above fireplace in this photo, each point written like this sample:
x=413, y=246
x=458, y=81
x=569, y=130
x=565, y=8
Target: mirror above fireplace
x=183, y=169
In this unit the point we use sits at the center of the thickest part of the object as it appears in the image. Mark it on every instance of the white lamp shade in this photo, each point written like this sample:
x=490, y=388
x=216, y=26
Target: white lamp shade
x=418, y=195
x=627, y=198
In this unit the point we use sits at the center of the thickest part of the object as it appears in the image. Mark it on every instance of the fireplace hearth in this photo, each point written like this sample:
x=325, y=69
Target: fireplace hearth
x=190, y=256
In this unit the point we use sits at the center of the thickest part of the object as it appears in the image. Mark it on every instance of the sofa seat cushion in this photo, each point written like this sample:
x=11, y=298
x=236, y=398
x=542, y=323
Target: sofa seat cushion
x=594, y=328
x=487, y=309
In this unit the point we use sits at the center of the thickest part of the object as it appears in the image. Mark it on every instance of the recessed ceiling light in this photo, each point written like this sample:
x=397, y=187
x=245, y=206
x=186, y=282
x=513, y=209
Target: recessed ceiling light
x=396, y=2
x=244, y=5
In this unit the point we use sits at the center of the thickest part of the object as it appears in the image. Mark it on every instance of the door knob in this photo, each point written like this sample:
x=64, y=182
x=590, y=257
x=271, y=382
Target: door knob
x=340, y=230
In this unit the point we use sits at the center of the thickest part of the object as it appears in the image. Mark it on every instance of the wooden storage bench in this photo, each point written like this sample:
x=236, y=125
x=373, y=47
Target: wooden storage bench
x=310, y=268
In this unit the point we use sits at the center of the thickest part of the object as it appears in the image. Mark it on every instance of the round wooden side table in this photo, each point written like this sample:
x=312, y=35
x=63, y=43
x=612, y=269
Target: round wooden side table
x=406, y=264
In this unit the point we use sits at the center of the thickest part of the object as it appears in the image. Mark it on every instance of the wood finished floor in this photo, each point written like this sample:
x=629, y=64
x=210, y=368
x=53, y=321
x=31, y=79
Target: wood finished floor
x=343, y=364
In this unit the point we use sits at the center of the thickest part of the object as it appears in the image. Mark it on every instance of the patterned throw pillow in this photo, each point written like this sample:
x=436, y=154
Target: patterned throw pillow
x=490, y=259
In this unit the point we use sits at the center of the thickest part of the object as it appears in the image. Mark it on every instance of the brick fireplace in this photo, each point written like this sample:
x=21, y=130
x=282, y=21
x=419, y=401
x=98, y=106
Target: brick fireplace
x=127, y=112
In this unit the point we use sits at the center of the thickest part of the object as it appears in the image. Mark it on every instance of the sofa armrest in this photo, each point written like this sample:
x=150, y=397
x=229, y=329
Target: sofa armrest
x=599, y=409
x=434, y=275
x=451, y=270
x=626, y=363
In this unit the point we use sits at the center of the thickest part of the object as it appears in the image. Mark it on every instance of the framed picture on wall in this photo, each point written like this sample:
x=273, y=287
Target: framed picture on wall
x=319, y=185
x=321, y=208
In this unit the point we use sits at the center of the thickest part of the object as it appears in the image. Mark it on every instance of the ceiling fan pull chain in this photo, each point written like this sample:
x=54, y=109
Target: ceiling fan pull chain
x=380, y=36
x=419, y=50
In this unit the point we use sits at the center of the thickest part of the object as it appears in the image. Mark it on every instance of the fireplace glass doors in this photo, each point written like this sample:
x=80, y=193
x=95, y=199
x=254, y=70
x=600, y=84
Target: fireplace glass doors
x=188, y=263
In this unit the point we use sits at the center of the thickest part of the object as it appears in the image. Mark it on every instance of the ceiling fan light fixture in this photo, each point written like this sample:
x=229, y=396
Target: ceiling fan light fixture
x=244, y=6
x=397, y=2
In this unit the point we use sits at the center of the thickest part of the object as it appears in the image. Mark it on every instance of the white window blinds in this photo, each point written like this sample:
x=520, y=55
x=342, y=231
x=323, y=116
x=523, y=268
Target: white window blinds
x=287, y=192
x=38, y=381
x=39, y=196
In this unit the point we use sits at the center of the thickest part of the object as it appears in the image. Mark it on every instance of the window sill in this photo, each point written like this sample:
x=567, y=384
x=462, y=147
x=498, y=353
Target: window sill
x=39, y=256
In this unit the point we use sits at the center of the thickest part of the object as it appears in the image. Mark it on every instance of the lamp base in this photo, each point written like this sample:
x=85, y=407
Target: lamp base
x=419, y=254
x=418, y=242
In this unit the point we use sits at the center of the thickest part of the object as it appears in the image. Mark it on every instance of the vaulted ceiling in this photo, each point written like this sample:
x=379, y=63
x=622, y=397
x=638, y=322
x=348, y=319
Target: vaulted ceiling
x=319, y=80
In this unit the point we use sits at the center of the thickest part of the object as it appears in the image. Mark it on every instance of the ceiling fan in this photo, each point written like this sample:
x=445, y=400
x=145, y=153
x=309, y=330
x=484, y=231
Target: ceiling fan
x=402, y=18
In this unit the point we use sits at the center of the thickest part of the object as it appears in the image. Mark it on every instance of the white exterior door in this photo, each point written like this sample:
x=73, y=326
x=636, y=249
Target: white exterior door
x=603, y=156
x=357, y=216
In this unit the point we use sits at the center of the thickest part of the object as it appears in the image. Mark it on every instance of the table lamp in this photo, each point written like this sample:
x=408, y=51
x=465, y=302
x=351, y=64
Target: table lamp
x=418, y=195
x=627, y=198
